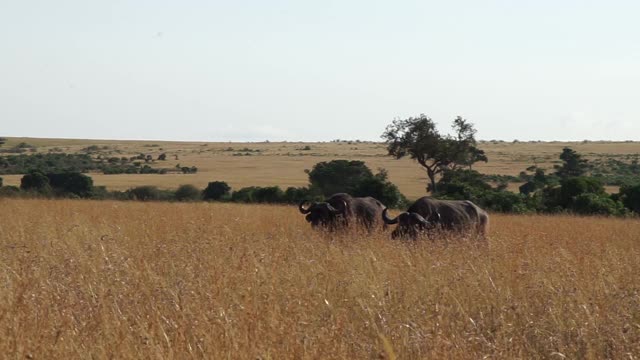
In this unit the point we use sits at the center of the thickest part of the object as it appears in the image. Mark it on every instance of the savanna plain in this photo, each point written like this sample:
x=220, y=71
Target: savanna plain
x=284, y=163
x=132, y=280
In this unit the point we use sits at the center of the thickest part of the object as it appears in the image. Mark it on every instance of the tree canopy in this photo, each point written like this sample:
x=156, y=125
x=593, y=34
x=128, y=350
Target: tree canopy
x=572, y=164
x=418, y=138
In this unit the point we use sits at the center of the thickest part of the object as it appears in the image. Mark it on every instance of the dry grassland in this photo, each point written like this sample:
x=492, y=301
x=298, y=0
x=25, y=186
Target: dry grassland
x=125, y=280
x=283, y=163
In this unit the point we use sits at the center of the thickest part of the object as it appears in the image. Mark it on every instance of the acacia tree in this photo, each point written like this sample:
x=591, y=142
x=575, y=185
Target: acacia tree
x=419, y=139
x=465, y=150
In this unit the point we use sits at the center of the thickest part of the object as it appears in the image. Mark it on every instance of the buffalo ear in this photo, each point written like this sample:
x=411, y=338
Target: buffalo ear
x=434, y=217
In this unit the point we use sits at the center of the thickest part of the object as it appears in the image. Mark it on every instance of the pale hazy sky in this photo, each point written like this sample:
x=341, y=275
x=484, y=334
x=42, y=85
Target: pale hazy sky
x=300, y=70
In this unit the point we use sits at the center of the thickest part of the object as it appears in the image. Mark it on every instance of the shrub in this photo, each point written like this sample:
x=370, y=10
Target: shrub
x=355, y=178
x=47, y=163
x=146, y=169
x=144, y=193
x=35, y=181
x=189, y=170
x=596, y=204
x=528, y=188
x=269, y=194
x=386, y=192
x=9, y=191
x=216, y=190
x=503, y=201
x=537, y=181
x=187, y=193
x=100, y=193
x=72, y=183
x=630, y=196
x=549, y=199
x=338, y=176
x=256, y=194
x=244, y=195
x=295, y=195
x=461, y=184
x=572, y=187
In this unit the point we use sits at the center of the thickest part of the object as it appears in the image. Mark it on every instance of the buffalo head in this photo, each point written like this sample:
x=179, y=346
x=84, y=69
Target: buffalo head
x=322, y=213
x=410, y=224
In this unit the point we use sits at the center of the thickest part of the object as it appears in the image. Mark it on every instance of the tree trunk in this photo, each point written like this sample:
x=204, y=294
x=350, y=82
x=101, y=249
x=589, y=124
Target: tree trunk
x=432, y=177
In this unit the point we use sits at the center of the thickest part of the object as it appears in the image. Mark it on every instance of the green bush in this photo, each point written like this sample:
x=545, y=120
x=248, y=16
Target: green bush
x=596, y=204
x=355, y=178
x=461, y=184
x=550, y=199
x=35, y=182
x=295, y=195
x=187, y=193
x=572, y=187
x=502, y=201
x=386, y=192
x=216, y=190
x=257, y=194
x=72, y=183
x=101, y=193
x=630, y=196
x=338, y=176
x=536, y=182
x=10, y=191
x=46, y=163
x=528, y=188
x=144, y=193
x=244, y=195
x=270, y=194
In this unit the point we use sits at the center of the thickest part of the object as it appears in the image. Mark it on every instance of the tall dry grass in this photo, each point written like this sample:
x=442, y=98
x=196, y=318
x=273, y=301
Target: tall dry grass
x=83, y=279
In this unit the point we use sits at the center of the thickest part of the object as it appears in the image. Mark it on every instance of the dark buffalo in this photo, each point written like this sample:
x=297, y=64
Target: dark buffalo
x=427, y=214
x=342, y=210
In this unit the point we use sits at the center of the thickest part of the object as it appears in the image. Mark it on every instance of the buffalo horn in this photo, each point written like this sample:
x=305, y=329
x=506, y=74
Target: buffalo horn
x=434, y=217
x=420, y=219
x=301, y=207
x=386, y=218
x=343, y=207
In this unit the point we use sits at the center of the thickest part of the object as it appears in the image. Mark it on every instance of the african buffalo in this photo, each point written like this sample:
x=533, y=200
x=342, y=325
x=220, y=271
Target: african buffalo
x=427, y=214
x=341, y=210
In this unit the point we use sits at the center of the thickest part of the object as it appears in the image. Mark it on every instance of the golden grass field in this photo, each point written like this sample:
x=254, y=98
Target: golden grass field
x=131, y=280
x=283, y=163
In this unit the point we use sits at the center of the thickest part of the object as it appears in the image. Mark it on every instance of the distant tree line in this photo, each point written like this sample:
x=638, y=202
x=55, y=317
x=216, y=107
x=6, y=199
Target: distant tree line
x=567, y=189
x=19, y=148
x=325, y=178
x=575, y=185
x=83, y=163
